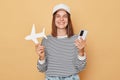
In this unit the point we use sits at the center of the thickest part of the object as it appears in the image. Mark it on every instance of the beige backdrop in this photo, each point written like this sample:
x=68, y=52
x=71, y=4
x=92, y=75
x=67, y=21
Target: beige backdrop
x=100, y=17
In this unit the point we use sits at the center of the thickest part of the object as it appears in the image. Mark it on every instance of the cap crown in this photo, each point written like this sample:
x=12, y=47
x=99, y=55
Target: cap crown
x=61, y=6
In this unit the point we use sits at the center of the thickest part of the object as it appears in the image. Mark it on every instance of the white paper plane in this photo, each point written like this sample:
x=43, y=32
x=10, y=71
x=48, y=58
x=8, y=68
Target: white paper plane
x=33, y=36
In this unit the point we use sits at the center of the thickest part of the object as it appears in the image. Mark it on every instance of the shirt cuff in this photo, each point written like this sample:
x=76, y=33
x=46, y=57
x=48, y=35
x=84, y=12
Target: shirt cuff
x=41, y=61
x=82, y=57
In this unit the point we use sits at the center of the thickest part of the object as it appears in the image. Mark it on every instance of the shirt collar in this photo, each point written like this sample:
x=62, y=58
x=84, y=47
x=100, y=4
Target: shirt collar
x=59, y=37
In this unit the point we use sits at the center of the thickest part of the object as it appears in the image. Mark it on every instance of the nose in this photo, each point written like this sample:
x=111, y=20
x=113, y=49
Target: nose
x=61, y=18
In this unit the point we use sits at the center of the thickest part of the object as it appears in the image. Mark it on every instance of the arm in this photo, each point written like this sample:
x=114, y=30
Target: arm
x=81, y=60
x=42, y=65
x=42, y=62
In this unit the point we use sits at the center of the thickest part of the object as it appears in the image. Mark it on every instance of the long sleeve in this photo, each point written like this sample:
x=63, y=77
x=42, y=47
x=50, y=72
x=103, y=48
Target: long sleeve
x=80, y=63
x=61, y=57
x=42, y=67
x=41, y=61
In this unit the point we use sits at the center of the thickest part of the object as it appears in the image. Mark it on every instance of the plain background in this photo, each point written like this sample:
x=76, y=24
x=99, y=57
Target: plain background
x=100, y=17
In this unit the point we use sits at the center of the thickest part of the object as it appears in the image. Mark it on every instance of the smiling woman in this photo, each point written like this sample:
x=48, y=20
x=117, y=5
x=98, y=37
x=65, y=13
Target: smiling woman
x=62, y=55
x=18, y=57
x=61, y=19
x=61, y=14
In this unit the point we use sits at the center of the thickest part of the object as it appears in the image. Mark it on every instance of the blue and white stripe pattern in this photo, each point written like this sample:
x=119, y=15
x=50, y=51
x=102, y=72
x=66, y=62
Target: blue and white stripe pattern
x=61, y=57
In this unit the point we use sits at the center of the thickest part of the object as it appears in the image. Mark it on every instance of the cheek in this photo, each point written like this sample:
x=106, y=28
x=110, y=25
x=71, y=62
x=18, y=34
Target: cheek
x=56, y=22
x=66, y=21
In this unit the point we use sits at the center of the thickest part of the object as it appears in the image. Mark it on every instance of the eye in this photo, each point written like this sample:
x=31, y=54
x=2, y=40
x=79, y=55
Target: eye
x=57, y=16
x=65, y=16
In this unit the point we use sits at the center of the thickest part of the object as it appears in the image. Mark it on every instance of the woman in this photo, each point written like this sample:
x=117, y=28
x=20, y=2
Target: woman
x=62, y=55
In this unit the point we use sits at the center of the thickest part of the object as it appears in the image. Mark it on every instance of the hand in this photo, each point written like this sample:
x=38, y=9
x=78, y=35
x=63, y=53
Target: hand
x=40, y=51
x=80, y=44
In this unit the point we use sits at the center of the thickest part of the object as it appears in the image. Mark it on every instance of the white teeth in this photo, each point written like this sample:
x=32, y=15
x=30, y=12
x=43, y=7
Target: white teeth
x=61, y=23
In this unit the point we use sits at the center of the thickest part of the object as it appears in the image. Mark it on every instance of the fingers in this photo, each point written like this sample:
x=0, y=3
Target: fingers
x=40, y=51
x=36, y=45
x=80, y=43
x=81, y=40
x=39, y=48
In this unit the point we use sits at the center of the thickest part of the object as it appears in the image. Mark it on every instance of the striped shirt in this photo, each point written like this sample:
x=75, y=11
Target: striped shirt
x=61, y=57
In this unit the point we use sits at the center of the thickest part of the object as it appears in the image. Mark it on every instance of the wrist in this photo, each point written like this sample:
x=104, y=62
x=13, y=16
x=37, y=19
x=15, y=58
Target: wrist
x=41, y=58
x=81, y=52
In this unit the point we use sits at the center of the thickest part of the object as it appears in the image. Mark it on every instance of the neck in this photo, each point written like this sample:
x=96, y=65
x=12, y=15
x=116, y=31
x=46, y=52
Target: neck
x=61, y=32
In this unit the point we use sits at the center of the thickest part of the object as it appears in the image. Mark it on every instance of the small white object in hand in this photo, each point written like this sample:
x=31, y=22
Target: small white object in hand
x=33, y=36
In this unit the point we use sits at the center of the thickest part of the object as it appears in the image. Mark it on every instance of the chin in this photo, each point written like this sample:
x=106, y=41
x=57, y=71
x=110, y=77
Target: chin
x=61, y=26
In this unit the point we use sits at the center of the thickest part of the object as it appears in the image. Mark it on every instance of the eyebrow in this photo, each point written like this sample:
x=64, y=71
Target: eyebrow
x=63, y=15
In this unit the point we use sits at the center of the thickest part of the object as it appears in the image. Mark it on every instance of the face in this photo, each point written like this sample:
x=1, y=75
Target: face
x=61, y=19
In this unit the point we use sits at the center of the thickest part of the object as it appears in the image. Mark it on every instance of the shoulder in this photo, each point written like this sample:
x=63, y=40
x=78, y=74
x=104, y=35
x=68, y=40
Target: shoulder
x=44, y=40
x=48, y=37
x=74, y=36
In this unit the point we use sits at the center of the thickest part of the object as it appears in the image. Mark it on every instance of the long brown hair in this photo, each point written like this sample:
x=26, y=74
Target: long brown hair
x=69, y=27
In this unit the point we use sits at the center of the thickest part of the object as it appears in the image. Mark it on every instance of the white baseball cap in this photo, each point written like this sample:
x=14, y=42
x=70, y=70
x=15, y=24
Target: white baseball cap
x=61, y=6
